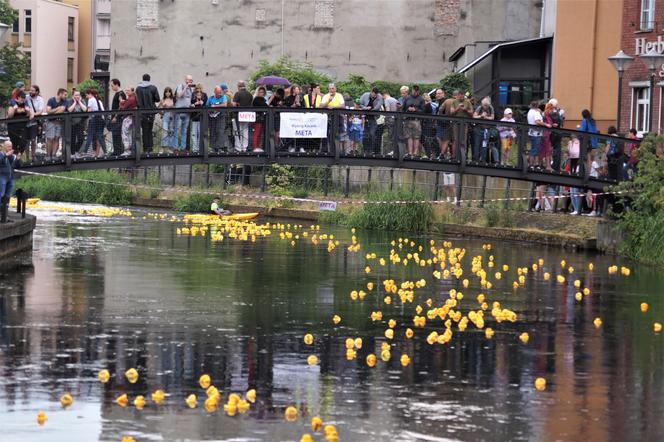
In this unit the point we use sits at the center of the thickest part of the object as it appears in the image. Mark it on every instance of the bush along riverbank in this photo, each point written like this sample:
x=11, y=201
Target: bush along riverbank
x=642, y=220
x=380, y=212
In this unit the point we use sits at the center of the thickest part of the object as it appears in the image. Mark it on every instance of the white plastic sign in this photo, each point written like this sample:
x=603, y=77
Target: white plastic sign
x=246, y=117
x=302, y=125
x=327, y=205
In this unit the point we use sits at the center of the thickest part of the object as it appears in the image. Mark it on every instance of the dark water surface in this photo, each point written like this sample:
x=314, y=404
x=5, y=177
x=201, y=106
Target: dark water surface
x=118, y=293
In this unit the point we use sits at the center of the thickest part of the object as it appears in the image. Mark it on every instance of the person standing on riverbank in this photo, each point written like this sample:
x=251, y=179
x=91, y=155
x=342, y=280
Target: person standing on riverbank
x=8, y=162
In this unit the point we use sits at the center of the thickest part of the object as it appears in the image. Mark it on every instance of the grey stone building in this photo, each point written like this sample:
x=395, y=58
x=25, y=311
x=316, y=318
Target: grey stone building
x=223, y=40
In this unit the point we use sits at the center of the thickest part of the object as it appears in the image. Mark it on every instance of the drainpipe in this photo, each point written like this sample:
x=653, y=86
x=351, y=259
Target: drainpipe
x=592, y=64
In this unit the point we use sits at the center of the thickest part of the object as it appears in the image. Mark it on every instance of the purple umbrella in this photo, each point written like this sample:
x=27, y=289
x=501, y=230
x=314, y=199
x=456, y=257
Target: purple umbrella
x=273, y=80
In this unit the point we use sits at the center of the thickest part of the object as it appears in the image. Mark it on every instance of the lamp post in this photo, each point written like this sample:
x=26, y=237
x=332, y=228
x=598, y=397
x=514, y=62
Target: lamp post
x=621, y=62
x=652, y=59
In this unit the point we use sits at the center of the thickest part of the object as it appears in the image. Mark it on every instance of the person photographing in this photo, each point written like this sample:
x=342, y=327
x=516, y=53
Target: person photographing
x=8, y=161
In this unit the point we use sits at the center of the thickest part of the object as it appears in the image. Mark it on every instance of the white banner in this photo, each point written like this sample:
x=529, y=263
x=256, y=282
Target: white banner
x=327, y=205
x=303, y=125
x=246, y=117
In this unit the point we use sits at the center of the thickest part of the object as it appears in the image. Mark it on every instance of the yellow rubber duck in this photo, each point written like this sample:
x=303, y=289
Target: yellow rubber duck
x=158, y=397
x=578, y=296
x=66, y=400
x=131, y=375
x=523, y=337
x=205, y=381
x=242, y=406
x=597, y=322
x=371, y=360
x=251, y=395
x=191, y=401
x=389, y=333
x=540, y=384
x=336, y=319
x=358, y=343
x=122, y=400
x=306, y=437
x=128, y=439
x=405, y=360
x=308, y=339
x=211, y=404
x=385, y=355
x=644, y=307
x=409, y=333
x=316, y=423
x=104, y=376
x=41, y=418
x=657, y=327
x=290, y=414
x=488, y=332
x=139, y=402
x=312, y=360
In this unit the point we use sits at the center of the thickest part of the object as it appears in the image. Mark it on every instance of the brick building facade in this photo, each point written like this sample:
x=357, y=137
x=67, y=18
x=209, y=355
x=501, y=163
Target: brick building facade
x=643, y=28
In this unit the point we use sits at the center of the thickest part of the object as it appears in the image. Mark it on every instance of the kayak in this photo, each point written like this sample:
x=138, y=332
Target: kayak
x=241, y=216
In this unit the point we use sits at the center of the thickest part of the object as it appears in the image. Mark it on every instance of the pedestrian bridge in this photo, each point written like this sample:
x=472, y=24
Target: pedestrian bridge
x=472, y=150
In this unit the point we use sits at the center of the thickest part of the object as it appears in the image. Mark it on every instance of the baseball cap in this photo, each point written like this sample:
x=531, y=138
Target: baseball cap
x=223, y=86
x=20, y=84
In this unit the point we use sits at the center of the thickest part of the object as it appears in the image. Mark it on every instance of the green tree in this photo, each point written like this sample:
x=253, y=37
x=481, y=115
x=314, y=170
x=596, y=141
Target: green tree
x=455, y=81
x=89, y=83
x=8, y=15
x=643, y=222
x=295, y=72
x=16, y=67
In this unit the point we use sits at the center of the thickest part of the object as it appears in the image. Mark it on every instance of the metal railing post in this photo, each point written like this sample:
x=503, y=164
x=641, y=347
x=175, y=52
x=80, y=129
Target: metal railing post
x=204, y=142
x=484, y=178
x=523, y=150
x=462, y=132
x=326, y=182
x=347, y=187
x=507, y=194
x=66, y=143
x=436, y=187
x=584, y=139
x=270, y=142
x=136, y=135
x=398, y=131
x=333, y=134
x=459, y=190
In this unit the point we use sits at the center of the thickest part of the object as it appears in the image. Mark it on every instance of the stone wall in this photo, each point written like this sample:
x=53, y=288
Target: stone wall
x=223, y=41
x=16, y=235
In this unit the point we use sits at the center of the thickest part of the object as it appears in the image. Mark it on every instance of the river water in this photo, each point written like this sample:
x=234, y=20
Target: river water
x=116, y=293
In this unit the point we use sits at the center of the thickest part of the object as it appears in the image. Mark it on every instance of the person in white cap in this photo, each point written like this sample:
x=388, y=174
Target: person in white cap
x=507, y=135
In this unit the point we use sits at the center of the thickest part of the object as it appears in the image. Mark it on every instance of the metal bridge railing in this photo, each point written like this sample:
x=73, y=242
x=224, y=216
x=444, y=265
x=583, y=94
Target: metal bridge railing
x=266, y=135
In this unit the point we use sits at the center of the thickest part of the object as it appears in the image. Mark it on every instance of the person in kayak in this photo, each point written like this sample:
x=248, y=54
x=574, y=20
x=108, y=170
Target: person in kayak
x=215, y=207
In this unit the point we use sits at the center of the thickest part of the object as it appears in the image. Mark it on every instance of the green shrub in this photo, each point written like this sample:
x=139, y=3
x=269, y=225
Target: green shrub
x=109, y=188
x=89, y=83
x=643, y=222
x=193, y=202
x=415, y=216
x=296, y=72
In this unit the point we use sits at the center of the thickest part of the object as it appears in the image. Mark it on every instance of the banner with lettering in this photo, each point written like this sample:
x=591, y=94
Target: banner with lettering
x=302, y=125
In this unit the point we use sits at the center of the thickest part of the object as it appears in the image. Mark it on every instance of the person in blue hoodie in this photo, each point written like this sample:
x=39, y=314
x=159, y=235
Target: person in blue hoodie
x=588, y=125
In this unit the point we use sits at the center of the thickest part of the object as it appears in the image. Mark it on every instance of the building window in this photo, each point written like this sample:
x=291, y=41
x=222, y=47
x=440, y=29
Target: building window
x=640, y=120
x=15, y=26
x=28, y=21
x=70, y=29
x=647, y=15
x=70, y=70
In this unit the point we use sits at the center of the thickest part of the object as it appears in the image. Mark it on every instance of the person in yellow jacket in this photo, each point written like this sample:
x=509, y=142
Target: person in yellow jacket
x=333, y=99
x=313, y=98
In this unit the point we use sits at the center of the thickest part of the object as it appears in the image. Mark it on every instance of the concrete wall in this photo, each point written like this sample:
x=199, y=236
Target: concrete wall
x=587, y=33
x=48, y=43
x=398, y=40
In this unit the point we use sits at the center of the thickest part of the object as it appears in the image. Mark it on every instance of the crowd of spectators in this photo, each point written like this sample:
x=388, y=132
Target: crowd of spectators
x=174, y=126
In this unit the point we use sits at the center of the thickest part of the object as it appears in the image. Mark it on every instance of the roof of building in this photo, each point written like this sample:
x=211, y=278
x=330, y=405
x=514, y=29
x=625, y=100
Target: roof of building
x=503, y=45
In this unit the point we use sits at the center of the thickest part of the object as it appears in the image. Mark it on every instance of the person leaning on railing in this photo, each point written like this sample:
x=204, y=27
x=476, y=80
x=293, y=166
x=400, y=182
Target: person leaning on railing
x=53, y=127
x=412, y=105
x=77, y=106
x=18, y=130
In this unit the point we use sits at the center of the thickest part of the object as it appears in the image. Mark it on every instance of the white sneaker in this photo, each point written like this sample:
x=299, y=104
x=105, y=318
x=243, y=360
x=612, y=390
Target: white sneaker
x=593, y=213
x=302, y=150
x=574, y=213
x=291, y=150
x=259, y=150
x=125, y=154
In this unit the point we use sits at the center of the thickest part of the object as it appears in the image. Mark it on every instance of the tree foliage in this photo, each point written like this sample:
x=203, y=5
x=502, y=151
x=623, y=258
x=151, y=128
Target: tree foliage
x=643, y=221
x=455, y=81
x=8, y=15
x=89, y=83
x=16, y=66
x=296, y=72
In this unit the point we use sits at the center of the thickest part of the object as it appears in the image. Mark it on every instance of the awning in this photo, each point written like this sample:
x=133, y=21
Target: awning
x=503, y=45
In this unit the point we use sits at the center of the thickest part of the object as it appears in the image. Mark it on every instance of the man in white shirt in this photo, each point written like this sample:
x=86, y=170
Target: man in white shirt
x=535, y=134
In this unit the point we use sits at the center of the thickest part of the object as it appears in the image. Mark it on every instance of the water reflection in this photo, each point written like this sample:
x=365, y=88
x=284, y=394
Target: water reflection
x=117, y=294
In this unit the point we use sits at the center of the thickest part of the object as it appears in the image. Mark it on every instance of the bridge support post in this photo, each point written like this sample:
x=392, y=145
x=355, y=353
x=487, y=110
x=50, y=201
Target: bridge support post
x=175, y=168
x=264, y=179
x=459, y=190
x=412, y=182
x=207, y=176
x=391, y=179
x=398, y=146
x=523, y=150
x=436, y=187
x=326, y=180
x=369, y=180
x=224, y=173
x=204, y=140
x=145, y=175
x=191, y=174
x=347, y=187
x=507, y=193
x=484, y=178
x=135, y=133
